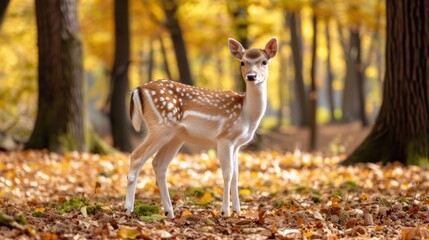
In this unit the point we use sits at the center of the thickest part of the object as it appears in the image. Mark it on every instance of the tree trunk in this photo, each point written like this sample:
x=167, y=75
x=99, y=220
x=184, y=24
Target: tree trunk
x=361, y=84
x=170, y=8
x=238, y=11
x=150, y=61
x=60, y=116
x=164, y=57
x=330, y=75
x=3, y=7
x=401, y=131
x=119, y=79
x=141, y=69
x=350, y=106
x=281, y=82
x=296, y=43
x=313, y=89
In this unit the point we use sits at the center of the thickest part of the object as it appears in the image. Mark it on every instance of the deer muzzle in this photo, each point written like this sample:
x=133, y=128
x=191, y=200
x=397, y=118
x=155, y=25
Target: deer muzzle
x=251, y=76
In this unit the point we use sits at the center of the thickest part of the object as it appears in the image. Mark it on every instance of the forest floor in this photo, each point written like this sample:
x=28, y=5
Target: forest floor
x=284, y=195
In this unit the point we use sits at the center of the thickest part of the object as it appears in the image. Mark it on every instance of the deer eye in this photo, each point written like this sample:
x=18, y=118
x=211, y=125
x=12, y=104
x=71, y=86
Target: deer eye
x=264, y=62
x=242, y=63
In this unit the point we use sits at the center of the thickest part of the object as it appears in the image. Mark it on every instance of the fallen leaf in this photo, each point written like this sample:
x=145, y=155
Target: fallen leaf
x=308, y=234
x=186, y=213
x=128, y=232
x=288, y=233
x=409, y=233
x=317, y=215
x=83, y=211
x=48, y=235
x=207, y=197
x=163, y=234
x=245, y=191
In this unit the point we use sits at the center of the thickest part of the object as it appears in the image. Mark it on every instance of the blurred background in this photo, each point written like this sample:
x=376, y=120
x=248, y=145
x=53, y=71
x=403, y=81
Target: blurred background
x=186, y=40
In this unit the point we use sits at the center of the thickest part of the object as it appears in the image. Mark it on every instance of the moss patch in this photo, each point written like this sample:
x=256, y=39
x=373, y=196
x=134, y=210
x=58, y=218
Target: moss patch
x=142, y=209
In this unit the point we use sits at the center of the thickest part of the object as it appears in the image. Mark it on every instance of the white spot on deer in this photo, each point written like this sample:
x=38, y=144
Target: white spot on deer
x=162, y=91
x=170, y=106
x=170, y=92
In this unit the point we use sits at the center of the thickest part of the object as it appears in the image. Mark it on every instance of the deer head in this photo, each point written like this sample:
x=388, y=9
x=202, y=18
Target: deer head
x=254, y=62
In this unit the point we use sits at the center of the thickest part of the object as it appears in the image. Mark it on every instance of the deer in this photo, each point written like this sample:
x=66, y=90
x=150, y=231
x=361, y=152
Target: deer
x=175, y=113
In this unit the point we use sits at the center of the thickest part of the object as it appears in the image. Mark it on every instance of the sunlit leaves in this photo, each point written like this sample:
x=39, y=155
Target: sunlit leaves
x=129, y=232
x=283, y=195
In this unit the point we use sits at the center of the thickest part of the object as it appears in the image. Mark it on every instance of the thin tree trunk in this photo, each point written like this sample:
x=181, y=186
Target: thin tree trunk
x=170, y=8
x=164, y=58
x=141, y=66
x=313, y=90
x=401, y=131
x=120, y=83
x=281, y=82
x=60, y=115
x=330, y=77
x=361, y=84
x=351, y=102
x=238, y=11
x=296, y=43
x=150, y=62
x=3, y=7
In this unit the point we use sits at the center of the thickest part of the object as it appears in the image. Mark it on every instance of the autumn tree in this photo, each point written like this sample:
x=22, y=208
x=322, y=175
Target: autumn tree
x=313, y=87
x=172, y=23
x=330, y=74
x=353, y=106
x=401, y=130
x=119, y=79
x=3, y=8
x=294, y=21
x=239, y=15
x=60, y=122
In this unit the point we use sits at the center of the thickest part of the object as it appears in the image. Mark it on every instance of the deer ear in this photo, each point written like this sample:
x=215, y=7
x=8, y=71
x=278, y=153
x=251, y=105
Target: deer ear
x=271, y=47
x=235, y=48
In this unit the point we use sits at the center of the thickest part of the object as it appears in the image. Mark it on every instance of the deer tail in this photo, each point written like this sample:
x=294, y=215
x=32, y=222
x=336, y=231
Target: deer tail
x=136, y=108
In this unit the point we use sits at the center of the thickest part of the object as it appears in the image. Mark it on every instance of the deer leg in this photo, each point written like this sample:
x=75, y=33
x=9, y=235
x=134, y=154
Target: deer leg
x=225, y=154
x=160, y=163
x=234, y=184
x=138, y=157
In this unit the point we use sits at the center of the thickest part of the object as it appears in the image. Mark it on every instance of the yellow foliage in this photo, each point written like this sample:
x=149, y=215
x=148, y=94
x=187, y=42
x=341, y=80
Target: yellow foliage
x=245, y=191
x=206, y=26
x=207, y=197
x=128, y=232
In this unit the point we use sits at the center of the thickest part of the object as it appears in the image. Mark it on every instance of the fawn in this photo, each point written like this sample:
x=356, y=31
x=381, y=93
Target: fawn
x=174, y=113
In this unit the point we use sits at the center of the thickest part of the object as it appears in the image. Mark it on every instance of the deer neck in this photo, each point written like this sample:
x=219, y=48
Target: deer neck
x=255, y=102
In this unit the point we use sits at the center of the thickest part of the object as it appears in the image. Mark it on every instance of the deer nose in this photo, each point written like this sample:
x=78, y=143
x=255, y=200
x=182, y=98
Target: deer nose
x=251, y=76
